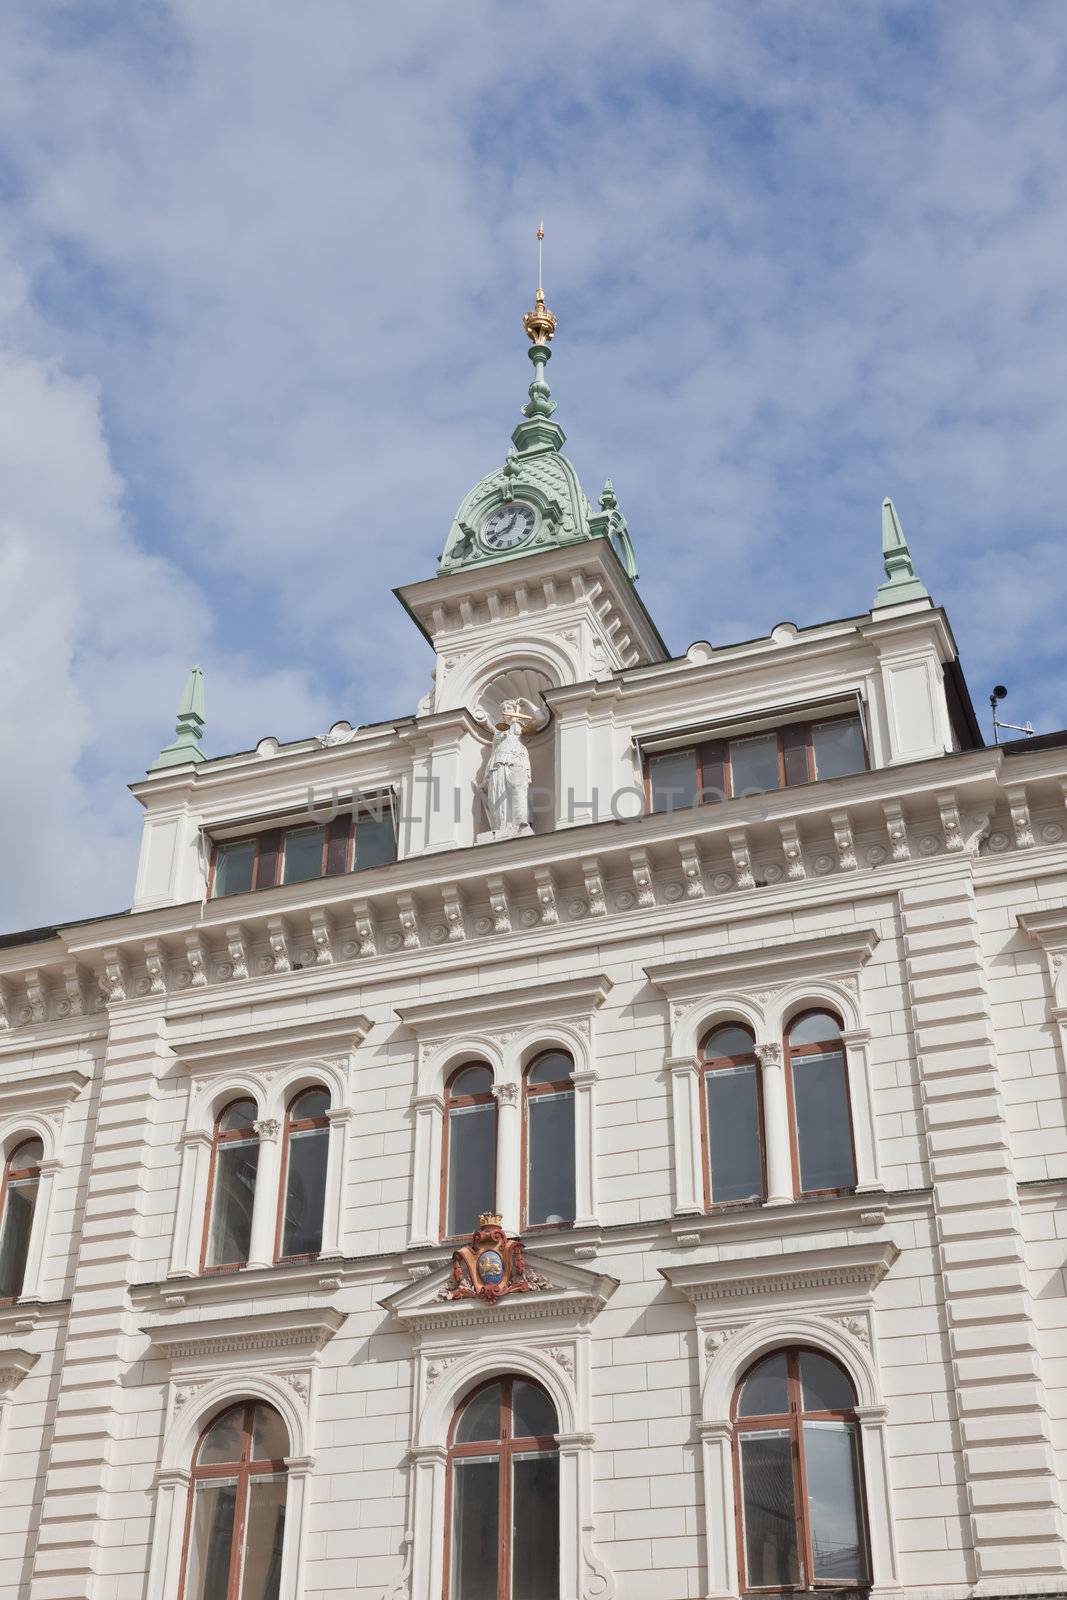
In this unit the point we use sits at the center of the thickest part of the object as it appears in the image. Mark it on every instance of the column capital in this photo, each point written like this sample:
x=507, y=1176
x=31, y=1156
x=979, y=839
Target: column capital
x=682, y=1066
x=429, y=1102
x=173, y=1478
x=770, y=1053
x=570, y=1443
x=855, y=1036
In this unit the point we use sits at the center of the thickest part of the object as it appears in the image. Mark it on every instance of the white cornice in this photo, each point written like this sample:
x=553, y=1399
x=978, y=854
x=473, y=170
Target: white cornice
x=828, y=955
x=855, y=1267
x=557, y=997
x=251, y=1331
x=290, y=1041
x=1046, y=928
x=43, y=1089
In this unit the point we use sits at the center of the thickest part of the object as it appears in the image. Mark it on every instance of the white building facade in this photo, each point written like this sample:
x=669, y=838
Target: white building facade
x=754, y=1035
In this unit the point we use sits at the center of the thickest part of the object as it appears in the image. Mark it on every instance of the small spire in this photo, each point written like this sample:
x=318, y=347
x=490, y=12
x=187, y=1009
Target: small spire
x=540, y=323
x=189, y=726
x=901, y=583
x=608, y=501
x=538, y=432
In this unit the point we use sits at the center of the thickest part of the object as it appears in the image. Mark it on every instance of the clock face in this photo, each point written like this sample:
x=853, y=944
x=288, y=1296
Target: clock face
x=507, y=526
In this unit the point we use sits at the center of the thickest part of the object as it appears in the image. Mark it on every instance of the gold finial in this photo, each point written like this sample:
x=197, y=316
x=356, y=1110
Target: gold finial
x=540, y=323
x=490, y=1219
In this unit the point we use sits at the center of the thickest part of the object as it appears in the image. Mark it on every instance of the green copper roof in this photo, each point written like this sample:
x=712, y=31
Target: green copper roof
x=535, y=473
x=189, y=727
x=901, y=583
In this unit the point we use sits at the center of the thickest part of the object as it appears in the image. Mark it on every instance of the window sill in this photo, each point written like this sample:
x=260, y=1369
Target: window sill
x=846, y=1208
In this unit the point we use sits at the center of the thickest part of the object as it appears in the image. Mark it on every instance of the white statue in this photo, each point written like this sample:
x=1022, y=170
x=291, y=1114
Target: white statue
x=506, y=783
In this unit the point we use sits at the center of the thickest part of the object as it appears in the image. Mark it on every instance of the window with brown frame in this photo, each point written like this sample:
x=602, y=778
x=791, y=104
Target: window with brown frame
x=22, y=1177
x=801, y=1523
x=824, y=1160
x=235, y=1525
x=302, y=1196
x=732, y=1116
x=548, y=1132
x=502, y=1510
x=468, y=1157
x=713, y=770
x=231, y=1188
x=300, y=854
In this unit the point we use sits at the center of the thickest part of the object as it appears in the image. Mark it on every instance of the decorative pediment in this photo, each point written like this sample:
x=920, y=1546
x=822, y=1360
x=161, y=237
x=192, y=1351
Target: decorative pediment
x=514, y=1006
x=795, y=1277
x=828, y=955
x=195, y=1337
x=557, y=1290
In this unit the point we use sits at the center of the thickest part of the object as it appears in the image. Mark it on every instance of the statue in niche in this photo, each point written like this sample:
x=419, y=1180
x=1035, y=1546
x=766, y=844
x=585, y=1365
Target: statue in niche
x=505, y=787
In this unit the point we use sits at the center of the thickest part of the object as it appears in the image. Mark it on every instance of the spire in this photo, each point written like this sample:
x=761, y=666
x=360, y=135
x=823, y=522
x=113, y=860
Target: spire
x=901, y=583
x=189, y=727
x=538, y=432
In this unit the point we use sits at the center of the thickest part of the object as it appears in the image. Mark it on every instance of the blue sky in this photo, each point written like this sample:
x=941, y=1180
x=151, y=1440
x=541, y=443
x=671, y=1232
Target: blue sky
x=262, y=272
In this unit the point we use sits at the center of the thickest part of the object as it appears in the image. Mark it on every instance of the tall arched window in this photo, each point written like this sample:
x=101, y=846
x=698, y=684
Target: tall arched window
x=22, y=1177
x=468, y=1173
x=732, y=1111
x=236, y=1520
x=548, y=1094
x=303, y=1191
x=503, y=1494
x=823, y=1156
x=801, y=1522
x=231, y=1187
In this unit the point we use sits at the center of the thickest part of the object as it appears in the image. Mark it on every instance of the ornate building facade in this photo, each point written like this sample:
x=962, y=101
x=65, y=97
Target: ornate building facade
x=602, y=1135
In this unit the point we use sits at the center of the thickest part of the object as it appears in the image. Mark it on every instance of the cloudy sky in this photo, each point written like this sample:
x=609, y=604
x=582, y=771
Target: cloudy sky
x=262, y=269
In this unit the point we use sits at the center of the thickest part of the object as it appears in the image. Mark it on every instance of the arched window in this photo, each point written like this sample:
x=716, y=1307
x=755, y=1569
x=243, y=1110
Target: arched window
x=469, y=1159
x=236, y=1519
x=503, y=1493
x=800, y=1492
x=22, y=1177
x=732, y=1112
x=231, y=1187
x=548, y=1094
x=303, y=1191
x=823, y=1157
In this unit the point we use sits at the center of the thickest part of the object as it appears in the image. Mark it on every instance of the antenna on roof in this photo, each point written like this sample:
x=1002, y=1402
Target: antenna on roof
x=1000, y=693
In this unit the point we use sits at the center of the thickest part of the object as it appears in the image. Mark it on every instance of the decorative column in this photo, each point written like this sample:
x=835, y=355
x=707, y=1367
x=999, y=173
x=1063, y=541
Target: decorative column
x=874, y=1444
x=40, y=1230
x=333, y=1214
x=584, y=1148
x=868, y=1174
x=688, y=1158
x=192, y=1197
x=716, y=1442
x=265, y=1201
x=425, y=1191
x=168, y=1530
x=574, y=1449
x=506, y=1096
x=776, y=1125
x=298, y=1474
x=427, y=1531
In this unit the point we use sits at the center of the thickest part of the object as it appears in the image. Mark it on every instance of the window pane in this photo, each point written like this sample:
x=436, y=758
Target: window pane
x=312, y=1103
x=730, y=1040
x=303, y=854
x=481, y=1417
x=838, y=748
x=824, y=1138
x=475, y=1523
x=270, y=1437
x=734, y=1134
x=765, y=1391
x=818, y=1027
x=211, y=1542
x=305, y=1193
x=231, y=1206
x=673, y=780
x=223, y=1440
x=555, y=1066
x=533, y=1416
x=754, y=764
x=19, y=1203
x=263, y=1537
x=535, y=1528
x=375, y=840
x=550, y=1164
x=471, y=1166
x=234, y=865
x=472, y=1080
x=238, y=1116
x=833, y=1501
x=824, y=1386
x=769, y=1509
x=30, y=1153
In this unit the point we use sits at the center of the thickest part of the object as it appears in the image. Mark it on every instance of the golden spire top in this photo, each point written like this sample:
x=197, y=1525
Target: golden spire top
x=540, y=323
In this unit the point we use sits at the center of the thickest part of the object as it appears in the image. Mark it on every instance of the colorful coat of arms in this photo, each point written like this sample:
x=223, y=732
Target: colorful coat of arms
x=491, y=1266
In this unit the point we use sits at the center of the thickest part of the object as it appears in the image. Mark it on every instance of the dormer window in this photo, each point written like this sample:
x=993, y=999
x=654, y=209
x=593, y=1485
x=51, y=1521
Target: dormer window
x=754, y=761
x=304, y=852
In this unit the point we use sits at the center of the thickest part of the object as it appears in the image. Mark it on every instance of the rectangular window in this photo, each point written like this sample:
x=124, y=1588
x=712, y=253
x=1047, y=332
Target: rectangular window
x=375, y=840
x=837, y=1543
x=305, y=1192
x=300, y=855
x=303, y=854
x=535, y=1527
x=734, y=1135
x=550, y=1158
x=769, y=1509
x=475, y=1528
x=824, y=1135
x=471, y=1166
x=235, y=865
x=756, y=763
x=264, y=1536
x=214, y=1513
x=231, y=1205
